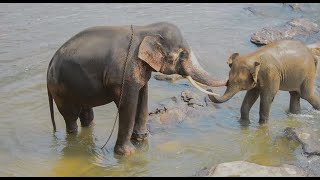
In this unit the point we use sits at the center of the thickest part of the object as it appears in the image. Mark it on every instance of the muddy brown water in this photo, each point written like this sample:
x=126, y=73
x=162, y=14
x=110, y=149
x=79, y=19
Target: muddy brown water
x=31, y=33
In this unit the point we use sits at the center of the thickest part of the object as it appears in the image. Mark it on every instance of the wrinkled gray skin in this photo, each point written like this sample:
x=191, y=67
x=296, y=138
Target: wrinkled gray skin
x=284, y=65
x=87, y=71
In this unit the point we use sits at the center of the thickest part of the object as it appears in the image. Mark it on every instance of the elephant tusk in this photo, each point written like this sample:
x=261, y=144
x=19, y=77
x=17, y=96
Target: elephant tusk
x=200, y=84
x=200, y=88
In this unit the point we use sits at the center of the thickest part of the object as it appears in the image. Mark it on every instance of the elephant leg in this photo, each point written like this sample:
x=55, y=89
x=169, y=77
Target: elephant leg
x=127, y=114
x=86, y=116
x=248, y=101
x=266, y=98
x=294, y=102
x=70, y=113
x=140, y=131
x=307, y=93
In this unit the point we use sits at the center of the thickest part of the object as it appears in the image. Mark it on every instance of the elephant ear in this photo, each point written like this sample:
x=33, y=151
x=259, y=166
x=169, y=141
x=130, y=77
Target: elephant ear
x=255, y=71
x=232, y=58
x=150, y=51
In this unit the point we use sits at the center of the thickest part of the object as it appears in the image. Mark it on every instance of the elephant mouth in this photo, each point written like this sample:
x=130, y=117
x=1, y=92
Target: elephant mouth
x=196, y=85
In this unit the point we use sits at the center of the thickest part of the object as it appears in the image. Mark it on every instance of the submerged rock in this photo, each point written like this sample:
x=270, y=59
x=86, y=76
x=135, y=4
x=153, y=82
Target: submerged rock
x=251, y=9
x=247, y=169
x=192, y=99
x=171, y=78
x=255, y=12
x=290, y=30
x=294, y=6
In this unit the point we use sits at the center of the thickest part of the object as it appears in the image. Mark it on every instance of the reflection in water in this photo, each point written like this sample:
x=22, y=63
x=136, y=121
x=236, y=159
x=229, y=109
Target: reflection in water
x=80, y=156
x=141, y=146
x=76, y=156
x=262, y=147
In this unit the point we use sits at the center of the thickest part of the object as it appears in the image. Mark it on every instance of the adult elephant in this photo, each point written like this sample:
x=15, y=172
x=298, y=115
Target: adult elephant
x=90, y=70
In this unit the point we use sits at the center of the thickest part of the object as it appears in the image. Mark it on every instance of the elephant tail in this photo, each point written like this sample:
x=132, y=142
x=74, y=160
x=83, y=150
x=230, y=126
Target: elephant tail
x=51, y=110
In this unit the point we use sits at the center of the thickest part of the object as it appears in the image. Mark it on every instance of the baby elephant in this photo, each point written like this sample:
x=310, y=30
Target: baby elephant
x=286, y=65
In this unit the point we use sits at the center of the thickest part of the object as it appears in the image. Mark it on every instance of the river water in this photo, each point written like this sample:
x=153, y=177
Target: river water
x=31, y=33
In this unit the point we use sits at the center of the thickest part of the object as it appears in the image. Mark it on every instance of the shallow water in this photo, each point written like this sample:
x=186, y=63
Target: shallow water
x=31, y=33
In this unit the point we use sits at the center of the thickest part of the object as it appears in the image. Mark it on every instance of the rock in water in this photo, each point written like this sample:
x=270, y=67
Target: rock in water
x=290, y=30
x=309, y=138
x=192, y=99
x=187, y=105
x=294, y=6
x=247, y=169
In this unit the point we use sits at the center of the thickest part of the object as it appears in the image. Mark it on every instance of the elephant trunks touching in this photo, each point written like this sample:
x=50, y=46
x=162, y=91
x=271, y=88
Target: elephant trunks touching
x=230, y=92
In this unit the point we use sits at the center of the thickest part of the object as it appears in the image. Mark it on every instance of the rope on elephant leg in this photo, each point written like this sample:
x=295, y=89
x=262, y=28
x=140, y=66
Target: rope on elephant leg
x=122, y=85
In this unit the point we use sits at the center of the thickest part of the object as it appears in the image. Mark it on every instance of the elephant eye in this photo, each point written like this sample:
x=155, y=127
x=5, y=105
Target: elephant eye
x=183, y=55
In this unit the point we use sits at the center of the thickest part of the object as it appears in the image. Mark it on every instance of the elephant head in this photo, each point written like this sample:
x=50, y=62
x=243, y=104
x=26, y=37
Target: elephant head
x=243, y=75
x=166, y=51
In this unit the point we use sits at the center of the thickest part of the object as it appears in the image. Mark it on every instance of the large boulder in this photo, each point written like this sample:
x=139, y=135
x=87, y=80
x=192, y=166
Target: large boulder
x=173, y=110
x=247, y=169
x=309, y=139
x=290, y=30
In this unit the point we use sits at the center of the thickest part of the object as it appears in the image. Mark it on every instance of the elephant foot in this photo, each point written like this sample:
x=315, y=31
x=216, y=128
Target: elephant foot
x=141, y=145
x=124, y=149
x=244, y=122
x=263, y=122
x=295, y=111
x=138, y=136
x=73, y=130
x=87, y=124
x=71, y=126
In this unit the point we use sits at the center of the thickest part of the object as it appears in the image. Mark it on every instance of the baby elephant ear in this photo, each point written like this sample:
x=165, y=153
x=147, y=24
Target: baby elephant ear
x=232, y=58
x=255, y=71
x=150, y=51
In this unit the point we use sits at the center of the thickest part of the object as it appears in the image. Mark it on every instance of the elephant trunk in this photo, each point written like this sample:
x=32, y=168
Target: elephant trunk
x=230, y=92
x=200, y=75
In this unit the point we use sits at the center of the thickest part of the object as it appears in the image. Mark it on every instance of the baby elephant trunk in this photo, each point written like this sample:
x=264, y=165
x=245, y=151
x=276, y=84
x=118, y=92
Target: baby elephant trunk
x=230, y=92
